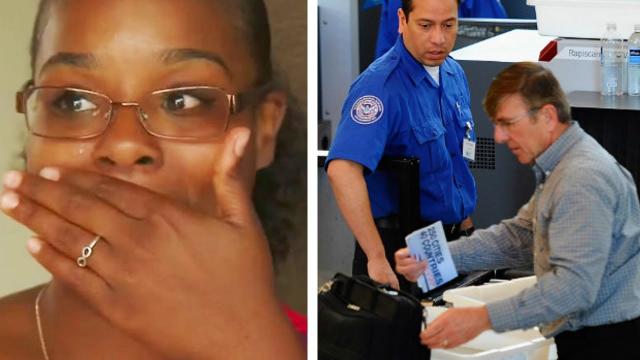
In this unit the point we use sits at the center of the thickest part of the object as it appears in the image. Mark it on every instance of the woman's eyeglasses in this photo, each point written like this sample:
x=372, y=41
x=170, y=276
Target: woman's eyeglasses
x=185, y=113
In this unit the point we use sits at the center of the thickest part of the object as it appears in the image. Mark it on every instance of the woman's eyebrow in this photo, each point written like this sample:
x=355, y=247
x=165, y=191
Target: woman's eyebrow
x=173, y=56
x=82, y=60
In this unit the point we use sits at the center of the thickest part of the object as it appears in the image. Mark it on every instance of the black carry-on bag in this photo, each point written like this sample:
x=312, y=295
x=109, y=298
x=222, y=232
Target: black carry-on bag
x=360, y=319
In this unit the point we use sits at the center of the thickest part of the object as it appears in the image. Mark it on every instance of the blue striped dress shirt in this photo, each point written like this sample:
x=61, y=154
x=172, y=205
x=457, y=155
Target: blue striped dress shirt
x=581, y=232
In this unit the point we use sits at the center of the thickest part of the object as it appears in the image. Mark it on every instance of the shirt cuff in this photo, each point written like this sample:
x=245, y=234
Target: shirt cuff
x=457, y=255
x=368, y=165
x=503, y=315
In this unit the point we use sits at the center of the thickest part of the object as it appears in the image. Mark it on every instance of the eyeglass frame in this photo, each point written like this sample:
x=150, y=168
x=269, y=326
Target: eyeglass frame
x=505, y=125
x=237, y=103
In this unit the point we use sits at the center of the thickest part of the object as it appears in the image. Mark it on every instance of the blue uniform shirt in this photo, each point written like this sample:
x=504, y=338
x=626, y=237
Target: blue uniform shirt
x=394, y=108
x=482, y=9
x=388, y=28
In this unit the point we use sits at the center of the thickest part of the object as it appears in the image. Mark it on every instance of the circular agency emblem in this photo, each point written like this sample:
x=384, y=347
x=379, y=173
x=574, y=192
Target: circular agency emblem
x=367, y=110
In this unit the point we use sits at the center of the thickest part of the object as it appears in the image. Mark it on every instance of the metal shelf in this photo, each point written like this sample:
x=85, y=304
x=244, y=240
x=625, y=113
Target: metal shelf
x=594, y=100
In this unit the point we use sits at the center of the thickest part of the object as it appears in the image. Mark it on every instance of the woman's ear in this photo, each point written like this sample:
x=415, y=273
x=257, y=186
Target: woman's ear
x=269, y=117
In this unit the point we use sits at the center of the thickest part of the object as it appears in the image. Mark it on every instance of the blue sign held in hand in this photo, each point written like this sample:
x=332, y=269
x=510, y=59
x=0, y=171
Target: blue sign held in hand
x=430, y=244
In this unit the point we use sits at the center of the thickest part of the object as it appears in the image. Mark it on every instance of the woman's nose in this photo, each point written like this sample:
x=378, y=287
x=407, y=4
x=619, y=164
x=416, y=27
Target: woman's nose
x=126, y=146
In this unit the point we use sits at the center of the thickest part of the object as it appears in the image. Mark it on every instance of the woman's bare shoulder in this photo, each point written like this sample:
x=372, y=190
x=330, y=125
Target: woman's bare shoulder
x=18, y=329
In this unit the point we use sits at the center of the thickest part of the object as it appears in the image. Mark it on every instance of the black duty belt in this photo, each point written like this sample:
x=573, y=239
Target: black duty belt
x=450, y=230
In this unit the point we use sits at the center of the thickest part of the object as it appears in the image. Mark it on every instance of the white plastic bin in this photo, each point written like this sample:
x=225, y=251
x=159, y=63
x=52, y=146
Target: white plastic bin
x=482, y=294
x=585, y=18
x=489, y=345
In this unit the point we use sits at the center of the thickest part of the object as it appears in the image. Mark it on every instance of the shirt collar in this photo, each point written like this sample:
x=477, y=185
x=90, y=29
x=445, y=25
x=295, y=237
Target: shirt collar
x=417, y=72
x=547, y=161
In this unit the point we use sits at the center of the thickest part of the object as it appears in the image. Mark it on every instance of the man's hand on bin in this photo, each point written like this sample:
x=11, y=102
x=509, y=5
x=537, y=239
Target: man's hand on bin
x=409, y=267
x=455, y=327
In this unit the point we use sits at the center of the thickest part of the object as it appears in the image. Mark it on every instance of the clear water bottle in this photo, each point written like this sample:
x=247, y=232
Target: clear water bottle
x=633, y=71
x=611, y=62
x=625, y=53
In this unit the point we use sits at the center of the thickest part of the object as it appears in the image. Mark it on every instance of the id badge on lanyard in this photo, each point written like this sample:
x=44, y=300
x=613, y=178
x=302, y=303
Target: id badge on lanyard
x=468, y=145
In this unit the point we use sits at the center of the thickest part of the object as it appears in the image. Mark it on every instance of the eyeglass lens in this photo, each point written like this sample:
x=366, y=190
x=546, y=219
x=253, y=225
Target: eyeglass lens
x=197, y=112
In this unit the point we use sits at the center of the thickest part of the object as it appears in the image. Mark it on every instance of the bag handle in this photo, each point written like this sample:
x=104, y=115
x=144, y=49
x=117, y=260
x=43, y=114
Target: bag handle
x=362, y=293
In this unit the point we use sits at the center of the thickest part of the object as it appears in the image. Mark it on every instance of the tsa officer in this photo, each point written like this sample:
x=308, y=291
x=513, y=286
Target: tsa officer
x=388, y=29
x=411, y=102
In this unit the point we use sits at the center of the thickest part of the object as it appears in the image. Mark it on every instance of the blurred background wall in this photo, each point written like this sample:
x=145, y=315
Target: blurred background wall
x=17, y=269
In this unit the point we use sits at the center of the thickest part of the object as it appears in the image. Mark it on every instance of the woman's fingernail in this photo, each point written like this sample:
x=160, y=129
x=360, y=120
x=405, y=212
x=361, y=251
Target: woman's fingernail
x=12, y=179
x=50, y=173
x=34, y=245
x=241, y=143
x=9, y=200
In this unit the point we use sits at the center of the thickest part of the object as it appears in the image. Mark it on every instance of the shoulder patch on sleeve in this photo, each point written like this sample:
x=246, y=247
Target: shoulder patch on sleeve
x=367, y=110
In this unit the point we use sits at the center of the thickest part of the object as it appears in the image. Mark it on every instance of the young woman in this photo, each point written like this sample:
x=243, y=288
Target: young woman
x=148, y=120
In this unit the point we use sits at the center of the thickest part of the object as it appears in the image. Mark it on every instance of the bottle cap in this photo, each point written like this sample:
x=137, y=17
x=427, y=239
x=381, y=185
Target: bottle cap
x=611, y=26
x=636, y=27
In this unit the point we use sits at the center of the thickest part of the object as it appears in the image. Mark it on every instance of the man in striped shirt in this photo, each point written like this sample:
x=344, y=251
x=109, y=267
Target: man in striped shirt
x=580, y=230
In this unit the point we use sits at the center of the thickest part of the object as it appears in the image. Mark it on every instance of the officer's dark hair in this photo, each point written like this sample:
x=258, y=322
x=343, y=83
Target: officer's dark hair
x=535, y=84
x=407, y=7
x=280, y=190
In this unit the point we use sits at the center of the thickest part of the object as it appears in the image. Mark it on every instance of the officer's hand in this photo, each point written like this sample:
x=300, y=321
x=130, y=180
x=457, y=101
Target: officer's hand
x=408, y=266
x=380, y=271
